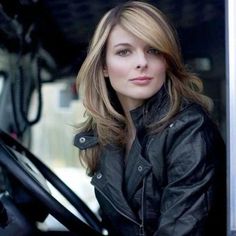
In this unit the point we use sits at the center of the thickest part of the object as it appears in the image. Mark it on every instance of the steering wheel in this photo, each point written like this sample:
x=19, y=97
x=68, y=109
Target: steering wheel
x=17, y=160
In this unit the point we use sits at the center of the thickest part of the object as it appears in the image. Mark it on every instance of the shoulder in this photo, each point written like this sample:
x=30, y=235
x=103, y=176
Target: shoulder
x=193, y=125
x=191, y=120
x=191, y=140
x=192, y=116
x=191, y=128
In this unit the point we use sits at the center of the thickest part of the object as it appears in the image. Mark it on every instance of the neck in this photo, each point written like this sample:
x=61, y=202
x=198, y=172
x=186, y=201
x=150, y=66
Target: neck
x=131, y=132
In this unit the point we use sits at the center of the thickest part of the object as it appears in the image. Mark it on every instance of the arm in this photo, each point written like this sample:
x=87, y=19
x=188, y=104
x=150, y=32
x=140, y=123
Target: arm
x=192, y=163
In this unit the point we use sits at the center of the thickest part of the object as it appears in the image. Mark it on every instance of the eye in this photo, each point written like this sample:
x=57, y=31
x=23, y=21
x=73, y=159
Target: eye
x=153, y=51
x=123, y=52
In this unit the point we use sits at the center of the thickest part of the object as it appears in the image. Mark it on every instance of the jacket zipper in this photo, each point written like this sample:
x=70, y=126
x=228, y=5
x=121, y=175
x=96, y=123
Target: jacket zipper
x=123, y=214
x=141, y=229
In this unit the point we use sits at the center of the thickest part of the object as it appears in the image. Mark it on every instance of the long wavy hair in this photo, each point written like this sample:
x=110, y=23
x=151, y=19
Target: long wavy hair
x=102, y=114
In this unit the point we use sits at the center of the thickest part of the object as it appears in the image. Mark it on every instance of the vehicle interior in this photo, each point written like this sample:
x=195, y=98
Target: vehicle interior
x=42, y=46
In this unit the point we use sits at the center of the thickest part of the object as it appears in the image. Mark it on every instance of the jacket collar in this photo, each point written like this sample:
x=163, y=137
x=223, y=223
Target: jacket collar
x=152, y=110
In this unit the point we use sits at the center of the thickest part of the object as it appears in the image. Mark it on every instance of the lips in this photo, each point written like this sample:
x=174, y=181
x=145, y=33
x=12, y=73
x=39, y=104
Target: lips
x=141, y=78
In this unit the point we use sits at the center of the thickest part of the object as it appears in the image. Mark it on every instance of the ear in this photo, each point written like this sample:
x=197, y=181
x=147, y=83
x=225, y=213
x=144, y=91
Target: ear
x=105, y=71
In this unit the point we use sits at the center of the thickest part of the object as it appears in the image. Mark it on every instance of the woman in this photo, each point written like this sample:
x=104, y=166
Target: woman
x=154, y=154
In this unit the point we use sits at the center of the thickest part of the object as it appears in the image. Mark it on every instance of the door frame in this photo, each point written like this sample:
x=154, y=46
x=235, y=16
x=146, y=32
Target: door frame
x=230, y=6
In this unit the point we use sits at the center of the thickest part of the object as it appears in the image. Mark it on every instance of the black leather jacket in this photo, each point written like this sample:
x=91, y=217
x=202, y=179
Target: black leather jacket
x=173, y=183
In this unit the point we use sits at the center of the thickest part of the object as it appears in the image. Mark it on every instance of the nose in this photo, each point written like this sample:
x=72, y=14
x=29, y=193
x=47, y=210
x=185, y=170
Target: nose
x=142, y=62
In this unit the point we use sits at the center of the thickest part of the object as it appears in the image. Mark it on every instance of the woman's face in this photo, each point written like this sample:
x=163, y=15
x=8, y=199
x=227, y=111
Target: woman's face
x=136, y=70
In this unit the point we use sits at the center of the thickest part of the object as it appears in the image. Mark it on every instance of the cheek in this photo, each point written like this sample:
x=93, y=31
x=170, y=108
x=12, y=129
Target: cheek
x=163, y=71
x=160, y=69
x=116, y=68
x=117, y=74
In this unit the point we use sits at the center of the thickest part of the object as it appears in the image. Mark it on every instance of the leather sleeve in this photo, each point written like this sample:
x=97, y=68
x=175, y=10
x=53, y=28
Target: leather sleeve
x=192, y=163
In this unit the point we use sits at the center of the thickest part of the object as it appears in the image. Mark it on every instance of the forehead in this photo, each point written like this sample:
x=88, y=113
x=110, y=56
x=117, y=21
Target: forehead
x=119, y=35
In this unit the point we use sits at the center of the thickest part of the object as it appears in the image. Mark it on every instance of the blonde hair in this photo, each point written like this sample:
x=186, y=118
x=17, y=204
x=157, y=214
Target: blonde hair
x=149, y=24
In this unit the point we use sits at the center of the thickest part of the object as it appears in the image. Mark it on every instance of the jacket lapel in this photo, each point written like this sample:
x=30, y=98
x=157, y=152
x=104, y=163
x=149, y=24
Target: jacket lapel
x=137, y=168
x=118, y=183
x=108, y=180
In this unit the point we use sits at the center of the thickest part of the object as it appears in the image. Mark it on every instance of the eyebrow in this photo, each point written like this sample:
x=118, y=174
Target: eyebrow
x=121, y=44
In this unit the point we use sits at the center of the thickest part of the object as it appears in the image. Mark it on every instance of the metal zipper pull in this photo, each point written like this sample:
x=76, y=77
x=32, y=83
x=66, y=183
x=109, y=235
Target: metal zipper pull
x=141, y=230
